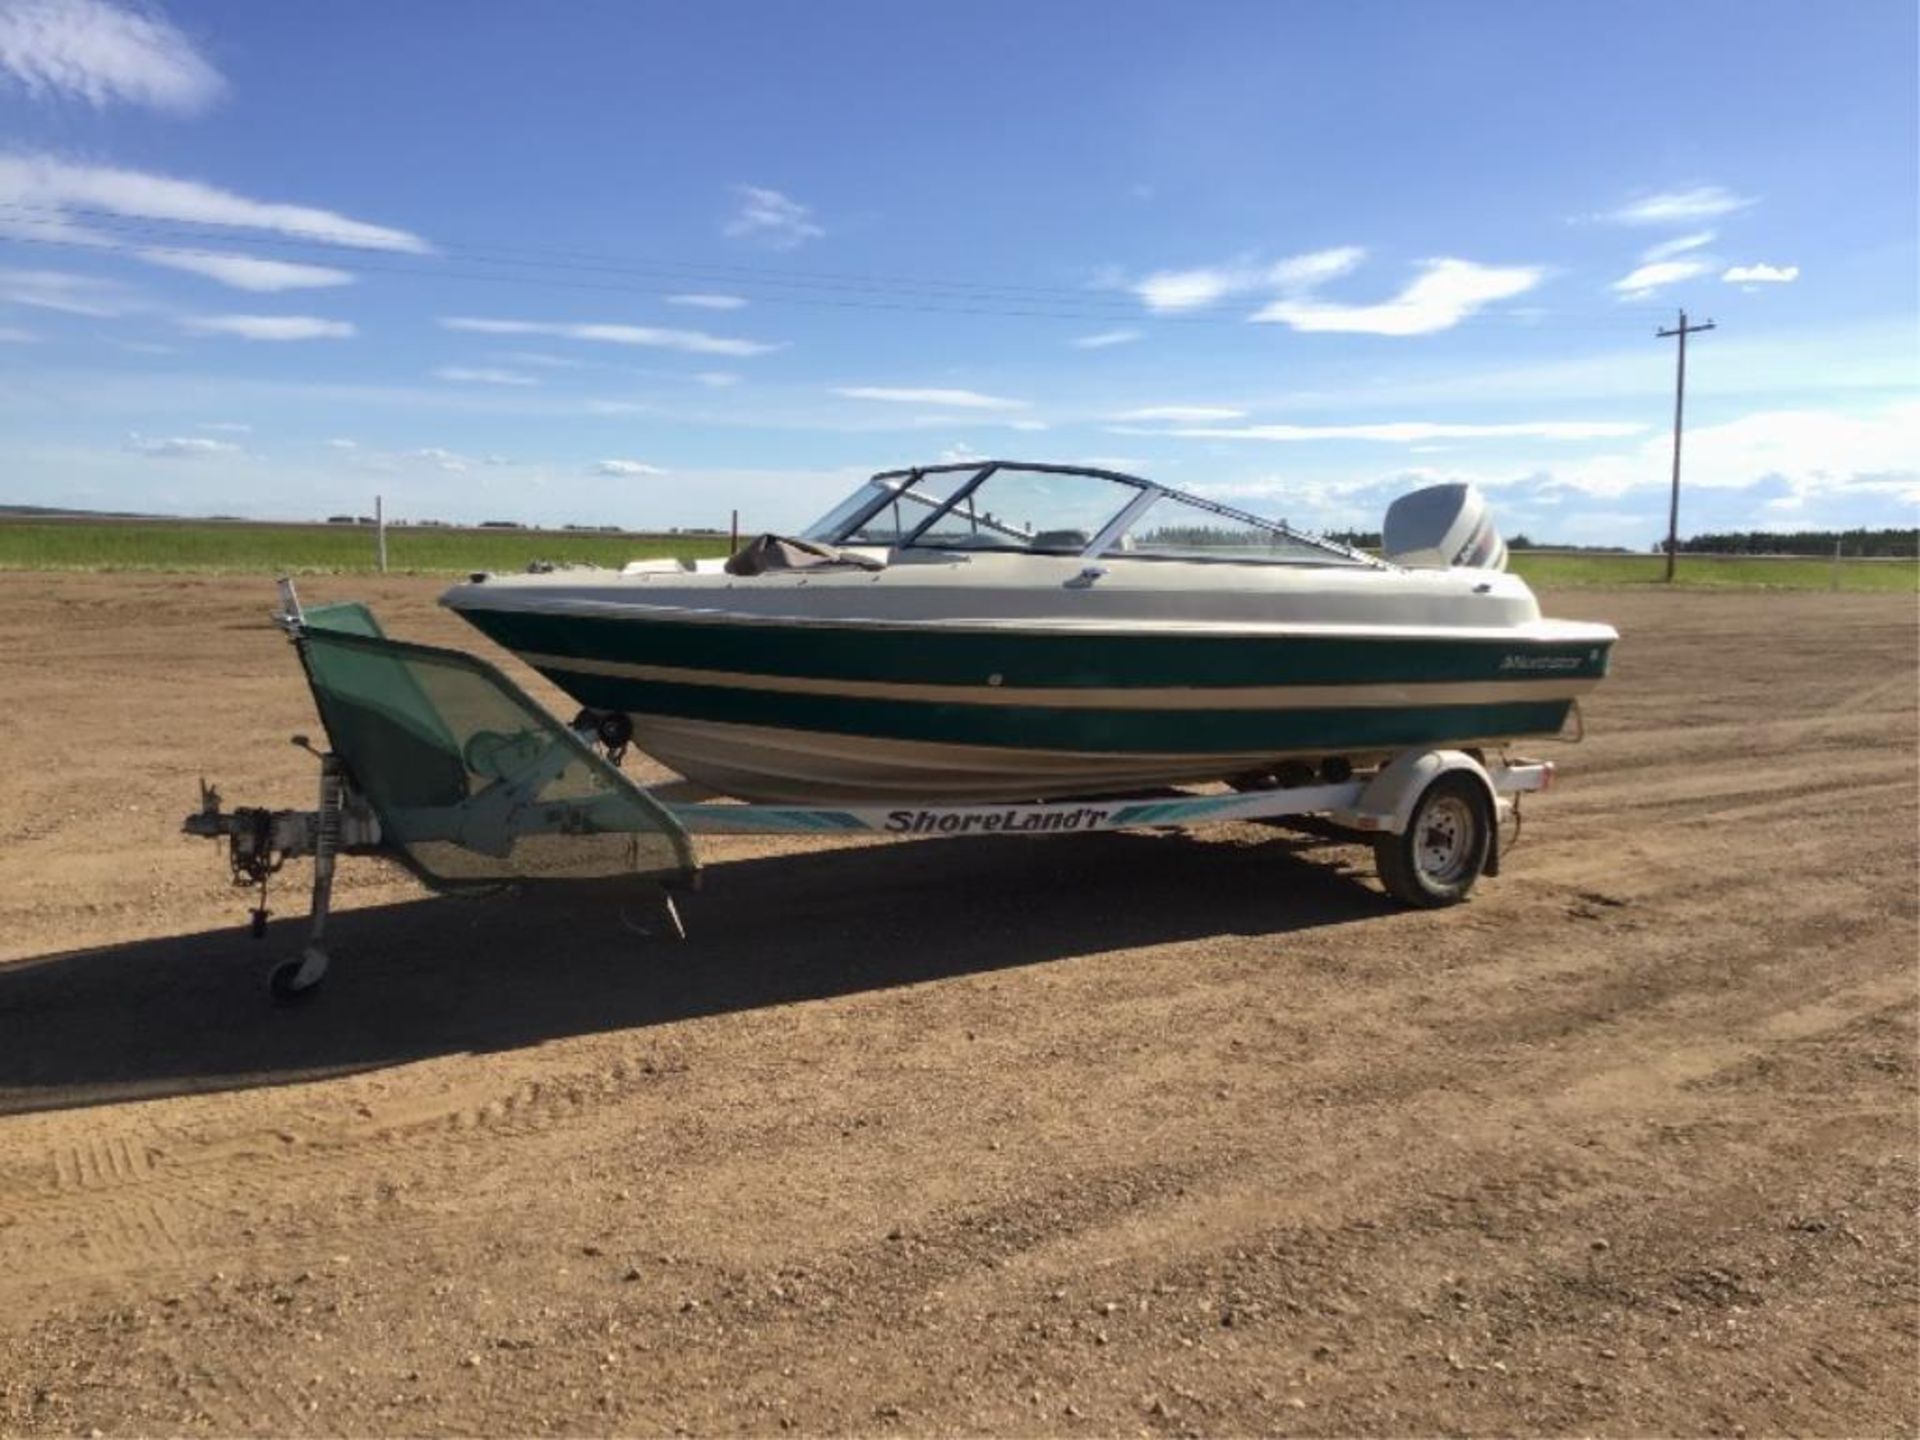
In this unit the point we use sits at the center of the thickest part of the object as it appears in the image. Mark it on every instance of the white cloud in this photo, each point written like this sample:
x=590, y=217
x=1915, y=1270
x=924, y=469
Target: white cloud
x=1441, y=296
x=31, y=184
x=1172, y=291
x=1027, y=425
x=951, y=399
x=103, y=53
x=1642, y=282
x=1303, y=272
x=248, y=272
x=470, y=375
x=450, y=461
x=180, y=447
x=626, y=469
x=1180, y=413
x=1679, y=245
x=1762, y=274
x=1177, y=291
x=716, y=379
x=1806, y=467
x=1405, y=431
x=536, y=357
x=270, y=327
x=65, y=292
x=1104, y=339
x=226, y=427
x=708, y=302
x=772, y=219
x=1813, y=452
x=1678, y=207
x=342, y=444
x=14, y=335
x=696, y=342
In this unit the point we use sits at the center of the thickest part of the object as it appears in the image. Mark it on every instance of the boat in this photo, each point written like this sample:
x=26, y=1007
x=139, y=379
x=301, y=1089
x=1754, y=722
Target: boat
x=1008, y=631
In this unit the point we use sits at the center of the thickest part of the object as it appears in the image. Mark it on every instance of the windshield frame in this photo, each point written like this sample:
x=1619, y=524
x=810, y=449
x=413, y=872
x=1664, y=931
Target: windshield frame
x=886, y=488
x=989, y=468
x=889, y=486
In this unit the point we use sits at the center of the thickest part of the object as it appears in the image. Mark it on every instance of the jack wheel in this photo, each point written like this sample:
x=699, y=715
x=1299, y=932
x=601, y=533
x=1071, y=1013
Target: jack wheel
x=285, y=990
x=294, y=982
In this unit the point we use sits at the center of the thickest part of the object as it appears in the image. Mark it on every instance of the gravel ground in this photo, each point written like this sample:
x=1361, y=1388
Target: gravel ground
x=1141, y=1134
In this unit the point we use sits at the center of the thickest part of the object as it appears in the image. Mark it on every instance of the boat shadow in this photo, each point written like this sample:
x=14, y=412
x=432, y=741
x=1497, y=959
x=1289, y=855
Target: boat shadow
x=423, y=978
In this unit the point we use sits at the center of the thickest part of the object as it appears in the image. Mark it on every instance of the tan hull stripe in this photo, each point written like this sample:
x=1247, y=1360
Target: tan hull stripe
x=1249, y=697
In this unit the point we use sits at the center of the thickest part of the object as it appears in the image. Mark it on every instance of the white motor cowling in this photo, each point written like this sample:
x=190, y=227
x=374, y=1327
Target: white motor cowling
x=1442, y=526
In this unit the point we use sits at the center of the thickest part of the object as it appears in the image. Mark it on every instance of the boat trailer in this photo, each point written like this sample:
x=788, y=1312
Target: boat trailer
x=437, y=761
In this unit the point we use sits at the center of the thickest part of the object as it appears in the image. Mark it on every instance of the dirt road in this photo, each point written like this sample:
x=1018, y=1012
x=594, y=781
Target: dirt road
x=1110, y=1134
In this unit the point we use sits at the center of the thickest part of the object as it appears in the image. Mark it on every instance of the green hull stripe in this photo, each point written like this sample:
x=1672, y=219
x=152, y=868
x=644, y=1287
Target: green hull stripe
x=1082, y=731
x=1097, y=661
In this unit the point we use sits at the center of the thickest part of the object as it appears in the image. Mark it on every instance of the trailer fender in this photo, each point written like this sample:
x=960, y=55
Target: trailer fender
x=1387, y=802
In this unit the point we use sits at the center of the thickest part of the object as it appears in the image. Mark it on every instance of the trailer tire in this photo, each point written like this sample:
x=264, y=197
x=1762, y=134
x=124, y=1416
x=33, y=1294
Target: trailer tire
x=1444, y=848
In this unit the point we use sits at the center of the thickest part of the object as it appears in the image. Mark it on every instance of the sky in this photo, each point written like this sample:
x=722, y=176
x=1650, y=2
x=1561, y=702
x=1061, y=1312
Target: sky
x=646, y=263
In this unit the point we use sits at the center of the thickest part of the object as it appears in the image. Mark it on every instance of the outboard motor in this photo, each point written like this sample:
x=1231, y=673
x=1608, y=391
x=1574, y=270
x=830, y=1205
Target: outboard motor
x=1442, y=526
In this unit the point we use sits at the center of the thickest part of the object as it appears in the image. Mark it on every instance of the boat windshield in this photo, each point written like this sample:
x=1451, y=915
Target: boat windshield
x=888, y=508
x=1176, y=528
x=983, y=506
x=1013, y=508
x=1060, y=510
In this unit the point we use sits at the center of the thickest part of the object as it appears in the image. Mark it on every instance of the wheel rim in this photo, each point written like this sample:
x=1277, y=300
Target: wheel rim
x=1443, y=842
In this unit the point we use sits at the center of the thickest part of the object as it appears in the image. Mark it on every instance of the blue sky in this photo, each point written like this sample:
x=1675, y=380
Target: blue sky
x=641, y=263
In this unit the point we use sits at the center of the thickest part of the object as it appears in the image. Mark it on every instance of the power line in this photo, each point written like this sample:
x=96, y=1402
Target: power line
x=710, y=271
x=843, y=291
x=1682, y=330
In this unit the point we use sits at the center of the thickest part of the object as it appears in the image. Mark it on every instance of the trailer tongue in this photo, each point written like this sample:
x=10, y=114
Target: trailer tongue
x=441, y=763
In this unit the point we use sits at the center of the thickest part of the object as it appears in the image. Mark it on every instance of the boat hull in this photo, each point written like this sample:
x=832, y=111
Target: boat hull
x=812, y=713
x=814, y=767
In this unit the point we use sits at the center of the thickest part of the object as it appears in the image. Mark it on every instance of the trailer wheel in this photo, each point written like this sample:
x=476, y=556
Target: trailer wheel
x=1444, y=847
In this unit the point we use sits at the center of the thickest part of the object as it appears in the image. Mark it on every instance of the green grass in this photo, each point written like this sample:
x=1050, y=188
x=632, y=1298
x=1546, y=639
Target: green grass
x=241, y=548
x=1713, y=572
x=216, y=547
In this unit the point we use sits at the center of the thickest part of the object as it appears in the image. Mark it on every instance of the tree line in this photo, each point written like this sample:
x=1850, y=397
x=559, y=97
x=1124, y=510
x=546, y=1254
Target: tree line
x=1858, y=542
x=1903, y=544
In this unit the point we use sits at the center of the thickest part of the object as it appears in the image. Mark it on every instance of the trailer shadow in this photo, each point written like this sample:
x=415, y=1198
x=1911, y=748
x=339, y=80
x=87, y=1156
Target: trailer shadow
x=424, y=978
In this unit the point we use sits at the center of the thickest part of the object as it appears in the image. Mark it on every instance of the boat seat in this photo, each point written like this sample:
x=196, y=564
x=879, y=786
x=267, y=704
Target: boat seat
x=779, y=552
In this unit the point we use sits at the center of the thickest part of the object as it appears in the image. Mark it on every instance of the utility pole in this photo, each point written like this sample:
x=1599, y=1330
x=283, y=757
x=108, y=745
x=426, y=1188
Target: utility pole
x=1679, y=408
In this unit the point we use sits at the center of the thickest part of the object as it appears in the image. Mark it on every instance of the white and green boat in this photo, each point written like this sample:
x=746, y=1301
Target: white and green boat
x=1005, y=631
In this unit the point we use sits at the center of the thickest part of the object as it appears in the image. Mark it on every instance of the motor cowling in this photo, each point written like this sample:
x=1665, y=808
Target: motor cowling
x=1441, y=526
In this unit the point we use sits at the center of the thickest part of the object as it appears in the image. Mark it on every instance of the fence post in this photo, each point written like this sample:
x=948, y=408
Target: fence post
x=733, y=535
x=1836, y=564
x=380, y=530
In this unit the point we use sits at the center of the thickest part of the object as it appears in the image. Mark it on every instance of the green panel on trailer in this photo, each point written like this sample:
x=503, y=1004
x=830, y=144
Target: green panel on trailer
x=474, y=783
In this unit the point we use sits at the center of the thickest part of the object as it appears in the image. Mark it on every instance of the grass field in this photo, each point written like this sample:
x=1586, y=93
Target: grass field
x=1557, y=571
x=242, y=548
x=220, y=546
